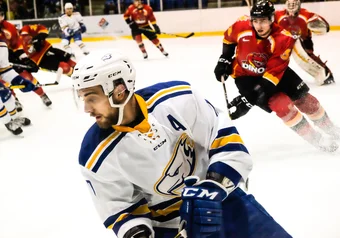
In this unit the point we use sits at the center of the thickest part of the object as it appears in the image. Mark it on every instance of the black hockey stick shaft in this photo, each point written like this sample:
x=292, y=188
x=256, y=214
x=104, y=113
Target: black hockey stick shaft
x=170, y=34
x=225, y=92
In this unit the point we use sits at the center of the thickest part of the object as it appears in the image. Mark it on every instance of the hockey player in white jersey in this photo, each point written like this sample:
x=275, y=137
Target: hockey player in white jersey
x=8, y=113
x=163, y=158
x=72, y=25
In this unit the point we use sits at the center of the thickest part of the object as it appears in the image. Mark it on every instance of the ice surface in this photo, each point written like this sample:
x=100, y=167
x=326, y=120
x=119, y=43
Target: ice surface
x=43, y=194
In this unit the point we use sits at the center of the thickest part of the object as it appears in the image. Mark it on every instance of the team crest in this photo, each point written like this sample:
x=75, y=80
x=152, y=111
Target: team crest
x=255, y=62
x=181, y=165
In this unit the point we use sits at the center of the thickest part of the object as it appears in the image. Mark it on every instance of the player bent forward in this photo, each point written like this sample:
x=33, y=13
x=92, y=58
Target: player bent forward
x=263, y=78
x=163, y=154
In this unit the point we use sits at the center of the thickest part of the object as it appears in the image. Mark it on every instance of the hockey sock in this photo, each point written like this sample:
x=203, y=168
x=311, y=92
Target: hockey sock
x=315, y=112
x=158, y=44
x=293, y=118
x=38, y=90
x=138, y=39
x=66, y=68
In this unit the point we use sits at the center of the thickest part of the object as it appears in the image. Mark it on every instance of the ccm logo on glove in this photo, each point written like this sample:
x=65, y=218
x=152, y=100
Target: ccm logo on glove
x=199, y=193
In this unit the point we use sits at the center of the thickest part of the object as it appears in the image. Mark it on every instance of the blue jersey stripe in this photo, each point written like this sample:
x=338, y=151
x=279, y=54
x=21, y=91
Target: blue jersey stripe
x=230, y=147
x=166, y=97
x=107, y=151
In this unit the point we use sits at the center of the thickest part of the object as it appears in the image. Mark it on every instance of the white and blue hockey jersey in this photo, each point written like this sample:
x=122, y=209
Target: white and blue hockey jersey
x=70, y=22
x=136, y=175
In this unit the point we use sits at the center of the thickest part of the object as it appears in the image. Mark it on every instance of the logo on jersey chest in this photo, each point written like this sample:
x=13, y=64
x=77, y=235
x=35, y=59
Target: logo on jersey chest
x=181, y=164
x=255, y=62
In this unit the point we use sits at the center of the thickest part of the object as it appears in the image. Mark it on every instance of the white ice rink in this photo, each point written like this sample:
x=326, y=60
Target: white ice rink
x=43, y=195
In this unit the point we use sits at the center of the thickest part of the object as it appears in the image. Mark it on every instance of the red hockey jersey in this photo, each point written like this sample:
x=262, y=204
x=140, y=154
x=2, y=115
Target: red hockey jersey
x=140, y=16
x=268, y=57
x=297, y=25
x=10, y=35
x=27, y=33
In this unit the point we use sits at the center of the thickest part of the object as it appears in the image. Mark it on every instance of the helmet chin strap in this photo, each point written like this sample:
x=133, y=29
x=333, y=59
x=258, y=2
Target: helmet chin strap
x=120, y=107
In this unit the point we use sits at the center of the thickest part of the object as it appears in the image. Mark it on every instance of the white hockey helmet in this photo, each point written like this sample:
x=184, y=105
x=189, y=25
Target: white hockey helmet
x=105, y=68
x=68, y=5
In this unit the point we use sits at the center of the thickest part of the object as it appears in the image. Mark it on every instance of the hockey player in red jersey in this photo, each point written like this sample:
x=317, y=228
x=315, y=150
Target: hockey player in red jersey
x=261, y=73
x=138, y=16
x=10, y=35
x=301, y=23
x=42, y=52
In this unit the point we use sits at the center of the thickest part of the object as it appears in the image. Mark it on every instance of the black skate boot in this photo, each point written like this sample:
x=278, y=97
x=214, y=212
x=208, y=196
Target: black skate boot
x=165, y=53
x=13, y=127
x=23, y=121
x=145, y=55
x=329, y=78
x=46, y=100
x=18, y=105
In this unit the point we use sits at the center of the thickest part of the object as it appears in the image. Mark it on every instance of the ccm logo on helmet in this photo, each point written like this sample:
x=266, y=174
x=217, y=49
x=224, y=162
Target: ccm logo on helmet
x=114, y=74
x=199, y=193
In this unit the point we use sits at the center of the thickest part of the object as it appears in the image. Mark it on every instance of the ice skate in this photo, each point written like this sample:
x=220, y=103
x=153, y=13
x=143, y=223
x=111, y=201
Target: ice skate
x=14, y=127
x=22, y=121
x=324, y=144
x=329, y=79
x=145, y=55
x=165, y=53
x=46, y=100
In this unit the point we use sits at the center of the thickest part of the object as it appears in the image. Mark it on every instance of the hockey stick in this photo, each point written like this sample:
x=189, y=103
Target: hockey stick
x=246, y=184
x=225, y=93
x=59, y=72
x=170, y=34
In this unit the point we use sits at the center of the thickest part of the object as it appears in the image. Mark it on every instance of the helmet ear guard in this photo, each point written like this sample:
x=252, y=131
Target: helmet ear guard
x=108, y=69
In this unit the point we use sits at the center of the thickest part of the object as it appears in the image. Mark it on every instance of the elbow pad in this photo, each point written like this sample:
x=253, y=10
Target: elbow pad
x=141, y=231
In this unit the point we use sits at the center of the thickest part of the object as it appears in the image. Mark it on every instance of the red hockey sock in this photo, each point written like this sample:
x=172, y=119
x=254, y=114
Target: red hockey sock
x=71, y=63
x=157, y=43
x=315, y=112
x=27, y=75
x=66, y=68
x=284, y=108
x=138, y=39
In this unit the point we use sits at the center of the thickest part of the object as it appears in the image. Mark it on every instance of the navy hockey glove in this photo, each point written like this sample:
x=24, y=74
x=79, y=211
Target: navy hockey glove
x=157, y=30
x=69, y=32
x=223, y=68
x=201, y=210
x=242, y=107
x=18, y=80
x=82, y=28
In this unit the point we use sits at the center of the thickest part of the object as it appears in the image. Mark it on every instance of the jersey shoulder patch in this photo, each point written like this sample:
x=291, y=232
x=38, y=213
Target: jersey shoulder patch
x=160, y=92
x=96, y=145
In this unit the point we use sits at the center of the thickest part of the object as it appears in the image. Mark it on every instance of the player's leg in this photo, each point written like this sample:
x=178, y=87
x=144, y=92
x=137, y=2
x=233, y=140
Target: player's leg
x=38, y=90
x=295, y=95
x=55, y=58
x=244, y=217
x=18, y=104
x=137, y=36
x=65, y=42
x=153, y=38
x=79, y=42
x=5, y=114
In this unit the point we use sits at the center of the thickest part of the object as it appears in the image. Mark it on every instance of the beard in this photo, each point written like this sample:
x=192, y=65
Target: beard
x=109, y=120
